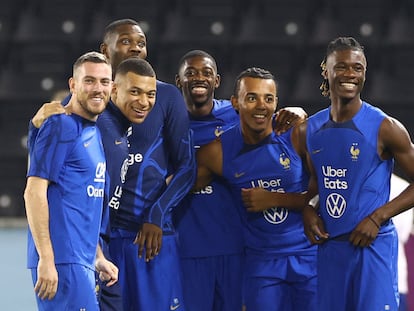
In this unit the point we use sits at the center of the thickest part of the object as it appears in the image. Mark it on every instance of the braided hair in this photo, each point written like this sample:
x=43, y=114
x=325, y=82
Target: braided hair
x=338, y=44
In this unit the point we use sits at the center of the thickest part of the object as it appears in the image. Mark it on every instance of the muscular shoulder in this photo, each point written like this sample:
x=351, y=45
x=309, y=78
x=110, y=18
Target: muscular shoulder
x=393, y=137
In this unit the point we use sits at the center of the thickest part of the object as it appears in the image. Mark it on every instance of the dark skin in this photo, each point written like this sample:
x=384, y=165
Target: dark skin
x=198, y=78
x=345, y=72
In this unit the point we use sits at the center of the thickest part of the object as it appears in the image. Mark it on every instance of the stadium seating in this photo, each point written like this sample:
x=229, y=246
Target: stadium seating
x=40, y=39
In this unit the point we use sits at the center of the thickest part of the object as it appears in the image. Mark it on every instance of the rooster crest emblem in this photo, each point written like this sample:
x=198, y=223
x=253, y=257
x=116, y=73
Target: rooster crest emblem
x=285, y=161
x=354, y=151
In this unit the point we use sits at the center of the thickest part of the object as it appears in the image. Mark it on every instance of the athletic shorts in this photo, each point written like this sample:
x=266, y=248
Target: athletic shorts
x=358, y=279
x=285, y=283
x=76, y=290
x=154, y=285
x=213, y=283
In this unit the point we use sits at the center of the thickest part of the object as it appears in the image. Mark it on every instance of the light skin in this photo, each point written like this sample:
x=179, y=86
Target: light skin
x=90, y=85
x=135, y=96
x=127, y=42
x=256, y=101
x=345, y=71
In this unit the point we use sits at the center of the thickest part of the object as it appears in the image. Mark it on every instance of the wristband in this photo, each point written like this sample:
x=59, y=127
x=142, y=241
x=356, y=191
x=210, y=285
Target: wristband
x=372, y=219
x=314, y=202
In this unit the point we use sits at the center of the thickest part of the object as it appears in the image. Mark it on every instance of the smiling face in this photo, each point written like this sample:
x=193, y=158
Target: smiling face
x=134, y=95
x=198, y=79
x=345, y=71
x=256, y=101
x=91, y=87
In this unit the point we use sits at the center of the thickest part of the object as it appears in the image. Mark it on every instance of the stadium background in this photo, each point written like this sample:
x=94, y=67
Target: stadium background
x=40, y=39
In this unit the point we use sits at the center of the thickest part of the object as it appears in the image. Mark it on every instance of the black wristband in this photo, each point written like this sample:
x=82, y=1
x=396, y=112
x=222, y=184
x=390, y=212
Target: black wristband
x=372, y=219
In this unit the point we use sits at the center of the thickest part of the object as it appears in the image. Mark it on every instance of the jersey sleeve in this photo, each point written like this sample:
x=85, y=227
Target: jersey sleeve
x=180, y=146
x=31, y=136
x=48, y=149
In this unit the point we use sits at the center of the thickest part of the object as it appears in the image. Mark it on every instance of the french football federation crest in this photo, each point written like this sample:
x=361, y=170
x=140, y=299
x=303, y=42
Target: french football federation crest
x=285, y=161
x=354, y=151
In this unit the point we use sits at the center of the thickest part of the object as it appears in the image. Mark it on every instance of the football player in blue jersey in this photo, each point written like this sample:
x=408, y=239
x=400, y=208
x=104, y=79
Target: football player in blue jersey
x=352, y=147
x=64, y=195
x=132, y=98
x=208, y=223
x=160, y=149
x=267, y=178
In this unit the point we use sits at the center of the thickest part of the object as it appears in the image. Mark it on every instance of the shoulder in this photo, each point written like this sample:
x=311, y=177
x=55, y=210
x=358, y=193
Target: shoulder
x=169, y=98
x=167, y=88
x=62, y=124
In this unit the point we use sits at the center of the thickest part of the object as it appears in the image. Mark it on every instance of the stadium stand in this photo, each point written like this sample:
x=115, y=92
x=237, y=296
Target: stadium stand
x=39, y=39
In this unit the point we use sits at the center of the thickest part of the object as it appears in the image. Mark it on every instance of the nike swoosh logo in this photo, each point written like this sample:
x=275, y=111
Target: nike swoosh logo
x=118, y=142
x=174, y=307
x=218, y=132
x=237, y=175
x=316, y=151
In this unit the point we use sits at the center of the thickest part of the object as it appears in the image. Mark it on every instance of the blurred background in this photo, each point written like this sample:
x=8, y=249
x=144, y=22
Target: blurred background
x=40, y=40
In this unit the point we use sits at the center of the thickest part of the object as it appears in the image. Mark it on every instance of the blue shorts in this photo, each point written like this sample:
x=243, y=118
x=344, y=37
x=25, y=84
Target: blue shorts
x=213, y=283
x=154, y=285
x=281, y=284
x=76, y=289
x=358, y=279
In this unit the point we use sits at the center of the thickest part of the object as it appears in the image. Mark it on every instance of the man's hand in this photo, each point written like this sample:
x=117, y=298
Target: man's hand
x=108, y=272
x=48, y=109
x=47, y=279
x=150, y=237
x=256, y=199
x=287, y=117
x=313, y=226
x=365, y=233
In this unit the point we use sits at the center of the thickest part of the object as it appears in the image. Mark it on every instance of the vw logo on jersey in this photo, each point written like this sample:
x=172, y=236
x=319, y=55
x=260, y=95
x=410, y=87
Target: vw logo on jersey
x=276, y=215
x=335, y=205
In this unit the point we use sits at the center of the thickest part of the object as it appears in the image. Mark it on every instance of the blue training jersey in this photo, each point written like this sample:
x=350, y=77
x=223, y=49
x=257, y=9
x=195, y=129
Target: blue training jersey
x=114, y=130
x=208, y=221
x=160, y=145
x=274, y=165
x=353, y=180
x=68, y=152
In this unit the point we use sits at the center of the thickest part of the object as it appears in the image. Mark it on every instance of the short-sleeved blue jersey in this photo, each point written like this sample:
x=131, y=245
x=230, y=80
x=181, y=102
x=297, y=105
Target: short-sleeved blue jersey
x=68, y=152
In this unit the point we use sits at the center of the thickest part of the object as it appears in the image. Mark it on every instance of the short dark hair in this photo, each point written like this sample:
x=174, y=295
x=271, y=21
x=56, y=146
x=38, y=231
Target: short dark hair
x=92, y=57
x=110, y=29
x=136, y=65
x=252, y=72
x=197, y=53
